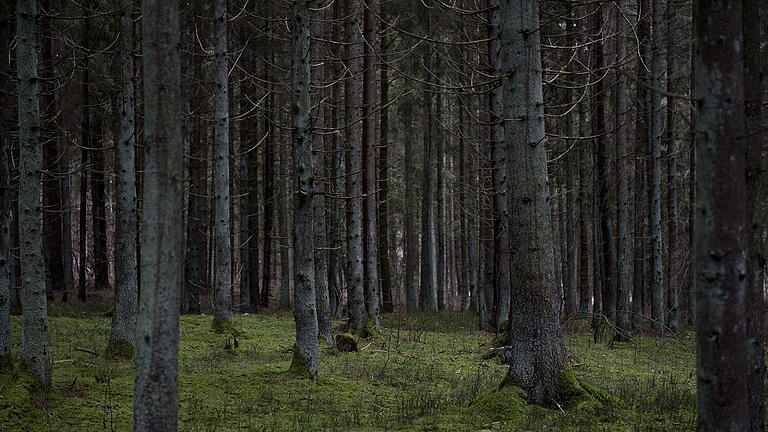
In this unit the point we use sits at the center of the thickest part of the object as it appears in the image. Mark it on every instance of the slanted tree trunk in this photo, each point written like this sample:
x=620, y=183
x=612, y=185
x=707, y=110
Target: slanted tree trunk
x=34, y=351
x=536, y=353
x=370, y=244
x=657, y=270
x=354, y=186
x=305, y=351
x=123, y=334
x=501, y=245
x=624, y=251
x=755, y=86
x=223, y=257
x=721, y=220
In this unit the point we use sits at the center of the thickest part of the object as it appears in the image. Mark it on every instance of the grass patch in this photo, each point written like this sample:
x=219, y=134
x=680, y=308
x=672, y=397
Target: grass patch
x=422, y=372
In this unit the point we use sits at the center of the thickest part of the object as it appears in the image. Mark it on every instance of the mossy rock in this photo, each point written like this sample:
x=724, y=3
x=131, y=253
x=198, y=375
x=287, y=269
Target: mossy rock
x=346, y=343
x=119, y=349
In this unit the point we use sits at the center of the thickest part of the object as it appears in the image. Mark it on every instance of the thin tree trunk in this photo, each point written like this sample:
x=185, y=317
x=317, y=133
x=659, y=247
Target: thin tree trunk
x=428, y=285
x=6, y=260
x=657, y=270
x=223, y=258
x=536, y=354
x=721, y=219
x=672, y=288
x=268, y=181
x=383, y=195
x=333, y=151
x=411, y=239
x=85, y=143
x=285, y=230
x=692, y=182
x=123, y=334
x=585, y=157
x=98, y=209
x=155, y=402
x=354, y=186
x=624, y=251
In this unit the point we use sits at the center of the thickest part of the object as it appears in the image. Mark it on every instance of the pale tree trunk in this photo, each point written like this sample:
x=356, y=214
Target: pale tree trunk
x=305, y=351
x=755, y=86
x=624, y=250
x=354, y=186
x=657, y=276
x=501, y=245
x=126, y=278
x=370, y=244
x=536, y=354
x=673, y=289
x=155, y=400
x=223, y=257
x=428, y=282
x=721, y=220
x=34, y=351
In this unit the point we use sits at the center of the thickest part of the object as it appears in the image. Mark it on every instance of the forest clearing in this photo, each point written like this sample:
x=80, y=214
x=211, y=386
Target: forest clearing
x=425, y=371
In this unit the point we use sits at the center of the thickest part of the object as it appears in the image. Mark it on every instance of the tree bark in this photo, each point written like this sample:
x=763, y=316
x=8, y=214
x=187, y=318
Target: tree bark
x=536, y=354
x=155, y=403
x=657, y=277
x=223, y=257
x=721, y=210
x=34, y=351
x=411, y=239
x=672, y=289
x=6, y=261
x=126, y=285
x=383, y=194
x=85, y=143
x=624, y=251
x=428, y=282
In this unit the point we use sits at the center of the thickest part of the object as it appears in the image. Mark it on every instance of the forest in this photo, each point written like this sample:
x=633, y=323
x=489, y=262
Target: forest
x=428, y=215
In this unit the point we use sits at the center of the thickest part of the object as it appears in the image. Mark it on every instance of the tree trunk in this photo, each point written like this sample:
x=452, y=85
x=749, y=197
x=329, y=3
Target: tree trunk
x=6, y=261
x=354, y=186
x=624, y=251
x=85, y=143
x=692, y=182
x=370, y=244
x=383, y=195
x=755, y=84
x=721, y=210
x=428, y=285
x=269, y=188
x=672, y=290
x=126, y=288
x=305, y=352
x=657, y=277
x=585, y=158
x=98, y=209
x=155, y=402
x=411, y=238
x=222, y=258
x=333, y=152
x=536, y=354
x=285, y=229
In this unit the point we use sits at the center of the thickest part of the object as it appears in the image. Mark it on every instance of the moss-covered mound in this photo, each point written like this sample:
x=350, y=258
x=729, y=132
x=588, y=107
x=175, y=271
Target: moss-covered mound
x=346, y=343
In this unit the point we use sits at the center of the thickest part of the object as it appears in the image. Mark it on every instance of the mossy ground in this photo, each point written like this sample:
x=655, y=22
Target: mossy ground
x=423, y=372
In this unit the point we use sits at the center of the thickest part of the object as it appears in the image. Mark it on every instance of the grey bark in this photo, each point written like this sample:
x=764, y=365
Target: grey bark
x=624, y=250
x=571, y=293
x=354, y=186
x=672, y=288
x=536, y=354
x=383, y=181
x=223, y=257
x=755, y=88
x=333, y=152
x=657, y=270
x=721, y=210
x=34, y=351
x=305, y=352
x=6, y=285
x=370, y=243
x=126, y=278
x=155, y=403
x=285, y=231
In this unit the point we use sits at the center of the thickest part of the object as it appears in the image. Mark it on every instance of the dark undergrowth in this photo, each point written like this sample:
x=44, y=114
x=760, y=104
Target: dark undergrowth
x=425, y=372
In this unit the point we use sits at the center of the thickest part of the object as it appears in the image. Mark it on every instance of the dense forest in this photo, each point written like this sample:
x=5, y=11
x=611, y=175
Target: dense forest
x=383, y=215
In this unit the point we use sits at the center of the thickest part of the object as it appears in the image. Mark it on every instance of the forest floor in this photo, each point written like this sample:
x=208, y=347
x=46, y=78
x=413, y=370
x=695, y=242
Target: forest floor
x=424, y=372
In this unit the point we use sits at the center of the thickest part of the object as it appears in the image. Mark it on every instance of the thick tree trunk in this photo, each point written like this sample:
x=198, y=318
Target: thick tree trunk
x=755, y=86
x=721, y=210
x=370, y=244
x=155, y=402
x=223, y=258
x=35, y=352
x=305, y=352
x=536, y=354
x=657, y=270
x=624, y=251
x=126, y=282
x=354, y=186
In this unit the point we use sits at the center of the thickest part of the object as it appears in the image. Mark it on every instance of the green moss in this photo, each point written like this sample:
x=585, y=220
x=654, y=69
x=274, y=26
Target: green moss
x=575, y=394
x=225, y=327
x=508, y=402
x=119, y=349
x=6, y=363
x=300, y=366
x=346, y=342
